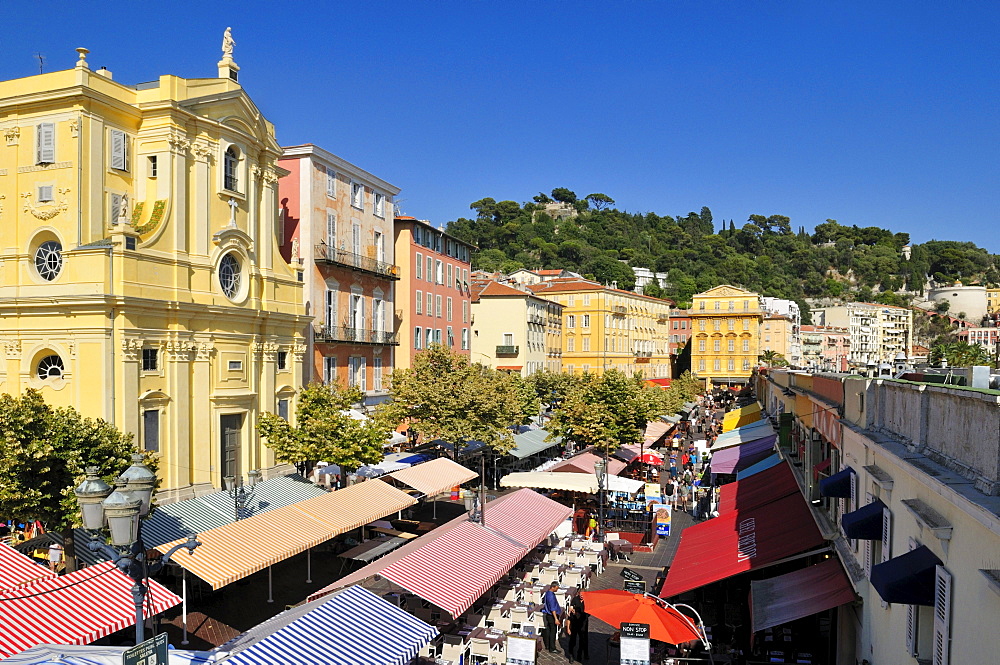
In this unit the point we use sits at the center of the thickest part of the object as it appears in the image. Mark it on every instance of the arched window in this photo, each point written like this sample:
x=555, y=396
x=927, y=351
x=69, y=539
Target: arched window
x=232, y=160
x=50, y=367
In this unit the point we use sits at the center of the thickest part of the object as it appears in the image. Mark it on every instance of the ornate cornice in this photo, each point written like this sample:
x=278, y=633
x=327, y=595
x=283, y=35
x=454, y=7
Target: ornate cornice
x=12, y=349
x=13, y=136
x=203, y=351
x=49, y=211
x=131, y=349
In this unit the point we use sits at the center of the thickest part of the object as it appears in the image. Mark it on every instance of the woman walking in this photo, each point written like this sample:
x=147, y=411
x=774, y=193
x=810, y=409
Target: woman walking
x=577, y=621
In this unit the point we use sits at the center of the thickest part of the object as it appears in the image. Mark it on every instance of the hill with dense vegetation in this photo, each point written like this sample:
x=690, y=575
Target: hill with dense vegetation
x=590, y=236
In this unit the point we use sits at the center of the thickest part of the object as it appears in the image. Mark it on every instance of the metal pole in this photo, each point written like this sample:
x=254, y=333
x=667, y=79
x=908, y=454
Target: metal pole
x=138, y=595
x=309, y=564
x=270, y=593
x=482, y=488
x=184, y=603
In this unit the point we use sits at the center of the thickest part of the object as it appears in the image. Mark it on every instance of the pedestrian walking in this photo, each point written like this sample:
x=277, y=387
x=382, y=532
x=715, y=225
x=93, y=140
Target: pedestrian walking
x=552, y=614
x=577, y=625
x=55, y=556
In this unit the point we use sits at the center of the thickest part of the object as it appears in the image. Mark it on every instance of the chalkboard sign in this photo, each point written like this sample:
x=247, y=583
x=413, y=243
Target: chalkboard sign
x=637, y=631
x=635, y=586
x=630, y=574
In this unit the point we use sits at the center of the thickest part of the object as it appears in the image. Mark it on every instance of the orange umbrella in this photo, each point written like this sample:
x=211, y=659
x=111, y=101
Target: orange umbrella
x=615, y=607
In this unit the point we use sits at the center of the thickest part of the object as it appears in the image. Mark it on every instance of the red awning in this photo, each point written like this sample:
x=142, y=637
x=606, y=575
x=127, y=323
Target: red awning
x=800, y=594
x=453, y=571
x=77, y=608
x=17, y=569
x=585, y=464
x=510, y=368
x=758, y=489
x=739, y=541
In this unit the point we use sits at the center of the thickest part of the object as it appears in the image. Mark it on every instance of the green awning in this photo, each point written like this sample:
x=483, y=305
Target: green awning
x=531, y=442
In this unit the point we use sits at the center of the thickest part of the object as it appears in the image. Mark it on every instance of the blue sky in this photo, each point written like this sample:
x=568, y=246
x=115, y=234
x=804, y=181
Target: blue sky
x=870, y=113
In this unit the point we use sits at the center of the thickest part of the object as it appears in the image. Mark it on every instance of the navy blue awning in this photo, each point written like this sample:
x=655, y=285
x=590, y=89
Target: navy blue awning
x=865, y=522
x=908, y=578
x=839, y=484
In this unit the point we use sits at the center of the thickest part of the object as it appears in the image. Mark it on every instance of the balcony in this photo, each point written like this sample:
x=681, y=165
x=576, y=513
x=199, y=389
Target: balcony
x=341, y=257
x=335, y=334
x=535, y=318
x=504, y=350
x=619, y=310
x=643, y=354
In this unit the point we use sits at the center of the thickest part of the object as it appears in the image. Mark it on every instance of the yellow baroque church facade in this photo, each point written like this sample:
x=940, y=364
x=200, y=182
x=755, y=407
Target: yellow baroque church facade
x=140, y=274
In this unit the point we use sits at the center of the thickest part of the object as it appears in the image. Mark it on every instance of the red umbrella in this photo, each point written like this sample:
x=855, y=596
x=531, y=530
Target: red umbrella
x=650, y=458
x=615, y=607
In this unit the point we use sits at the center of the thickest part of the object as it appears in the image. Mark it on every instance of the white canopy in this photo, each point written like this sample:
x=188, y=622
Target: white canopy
x=568, y=482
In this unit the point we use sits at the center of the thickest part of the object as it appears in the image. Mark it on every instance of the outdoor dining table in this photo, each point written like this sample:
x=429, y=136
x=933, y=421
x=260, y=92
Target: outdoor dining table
x=620, y=547
x=373, y=549
x=393, y=532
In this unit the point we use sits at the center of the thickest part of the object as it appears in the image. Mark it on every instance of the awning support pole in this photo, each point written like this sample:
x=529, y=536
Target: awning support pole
x=435, y=506
x=184, y=603
x=270, y=594
x=309, y=566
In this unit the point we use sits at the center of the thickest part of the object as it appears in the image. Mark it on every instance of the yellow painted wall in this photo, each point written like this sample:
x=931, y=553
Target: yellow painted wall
x=725, y=334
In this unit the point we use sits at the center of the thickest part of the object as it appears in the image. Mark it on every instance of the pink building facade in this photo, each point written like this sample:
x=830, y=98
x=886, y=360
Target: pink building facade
x=825, y=348
x=338, y=232
x=434, y=298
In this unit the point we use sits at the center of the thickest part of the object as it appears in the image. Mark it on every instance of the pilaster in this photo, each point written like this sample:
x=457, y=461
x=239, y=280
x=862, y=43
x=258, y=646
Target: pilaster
x=203, y=430
x=179, y=436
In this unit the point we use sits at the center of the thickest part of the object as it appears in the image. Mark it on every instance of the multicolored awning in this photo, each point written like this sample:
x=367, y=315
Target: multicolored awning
x=740, y=417
x=77, y=608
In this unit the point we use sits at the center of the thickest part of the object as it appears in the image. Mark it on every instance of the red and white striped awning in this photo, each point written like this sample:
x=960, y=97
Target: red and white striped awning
x=77, y=608
x=453, y=571
x=526, y=516
x=17, y=569
x=434, y=477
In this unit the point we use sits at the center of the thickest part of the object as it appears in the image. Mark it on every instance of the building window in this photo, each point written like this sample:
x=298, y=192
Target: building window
x=465, y=339
x=45, y=143
x=732, y=364
x=451, y=336
x=376, y=373
x=701, y=345
x=437, y=335
x=449, y=282
x=331, y=183
x=282, y=360
x=508, y=339
x=465, y=311
x=732, y=345
x=746, y=324
x=419, y=302
x=283, y=409
x=701, y=325
x=571, y=300
x=119, y=150
x=331, y=231
x=746, y=305
x=430, y=269
x=152, y=166
x=746, y=346
x=356, y=371
x=731, y=324
x=235, y=365
x=718, y=305
x=586, y=344
x=420, y=265
x=716, y=346
x=746, y=364
x=717, y=364
x=448, y=310
x=586, y=320
x=571, y=344
x=50, y=367
x=358, y=195
x=438, y=272
x=416, y=338
x=150, y=360
x=48, y=260
x=437, y=306
x=230, y=275
x=571, y=321
x=716, y=324
x=701, y=365
x=429, y=310
x=231, y=163
x=428, y=337
x=45, y=194
x=586, y=300
x=151, y=430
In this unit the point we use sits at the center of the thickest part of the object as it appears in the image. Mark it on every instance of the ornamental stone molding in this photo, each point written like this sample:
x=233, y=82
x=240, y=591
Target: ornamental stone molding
x=12, y=349
x=48, y=211
x=179, y=145
x=202, y=152
x=256, y=171
x=74, y=128
x=203, y=351
x=13, y=136
x=270, y=176
x=131, y=349
x=298, y=350
x=180, y=350
x=271, y=352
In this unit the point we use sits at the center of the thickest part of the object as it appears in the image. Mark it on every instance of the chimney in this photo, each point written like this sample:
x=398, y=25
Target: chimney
x=105, y=72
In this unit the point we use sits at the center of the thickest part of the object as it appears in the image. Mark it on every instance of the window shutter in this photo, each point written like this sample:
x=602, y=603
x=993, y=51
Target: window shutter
x=942, y=616
x=331, y=229
x=911, y=617
x=854, y=504
x=364, y=374
x=116, y=207
x=331, y=310
x=118, y=149
x=886, y=540
x=868, y=558
x=45, y=143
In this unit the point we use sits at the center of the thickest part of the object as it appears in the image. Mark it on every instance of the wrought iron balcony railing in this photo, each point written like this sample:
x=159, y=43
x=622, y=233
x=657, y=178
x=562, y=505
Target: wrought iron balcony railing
x=356, y=335
x=341, y=257
x=507, y=350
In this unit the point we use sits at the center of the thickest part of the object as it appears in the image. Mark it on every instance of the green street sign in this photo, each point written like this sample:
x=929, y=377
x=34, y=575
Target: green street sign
x=151, y=652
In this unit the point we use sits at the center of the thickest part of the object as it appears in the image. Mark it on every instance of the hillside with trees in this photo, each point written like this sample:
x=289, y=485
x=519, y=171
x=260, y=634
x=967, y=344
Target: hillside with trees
x=589, y=235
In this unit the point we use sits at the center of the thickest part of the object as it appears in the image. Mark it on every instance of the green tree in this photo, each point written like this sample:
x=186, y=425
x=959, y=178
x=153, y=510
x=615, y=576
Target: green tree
x=324, y=430
x=652, y=288
x=564, y=195
x=551, y=386
x=773, y=359
x=600, y=201
x=446, y=397
x=541, y=197
x=43, y=454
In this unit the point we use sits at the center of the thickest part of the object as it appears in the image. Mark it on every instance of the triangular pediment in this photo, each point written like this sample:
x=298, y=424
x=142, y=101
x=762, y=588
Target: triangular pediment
x=725, y=290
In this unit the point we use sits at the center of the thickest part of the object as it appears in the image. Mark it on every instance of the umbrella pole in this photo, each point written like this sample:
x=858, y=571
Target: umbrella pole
x=270, y=593
x=309, y=566
x=184, y=603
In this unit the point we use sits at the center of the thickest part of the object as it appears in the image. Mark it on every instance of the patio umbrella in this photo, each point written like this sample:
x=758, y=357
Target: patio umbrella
x=650, y=458
x=614, y=606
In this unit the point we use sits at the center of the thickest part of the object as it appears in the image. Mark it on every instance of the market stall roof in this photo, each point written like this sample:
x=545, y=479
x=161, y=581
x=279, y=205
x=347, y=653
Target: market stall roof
x=568, y=482
x=72, y=654
x=740, y=541
x=382, y=468
x=533, y=441
x=763, y=465
x=655, y=429
x=434, y=477
x=453, y=571
x=737, y=458
x=762, y=488
x=76, y=608
x=627, y=453
x=756, y=430
x=175, y=521
x=17, y=569
x=234, y=551
x=350, y=627
x=740, y=417
x=799, y=594
x=584, y=463
x=536, y=512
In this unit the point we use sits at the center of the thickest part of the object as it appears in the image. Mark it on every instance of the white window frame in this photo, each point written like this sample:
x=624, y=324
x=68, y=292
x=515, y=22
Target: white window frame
x=379, y=206
x=329, y=369
x=377, y=373
x=118, y=150
x=45, y=143
x=417, y=340
x=465, y=339
x=438, y=272
x=449, y=308
x=437, y=306
x=331, y=183
x=941, y=642
x=420, y=266
x=357, y=195
x=331, y=230
x=419, y=302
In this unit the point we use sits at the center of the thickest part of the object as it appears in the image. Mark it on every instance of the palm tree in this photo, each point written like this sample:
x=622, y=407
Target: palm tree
x=773, y=359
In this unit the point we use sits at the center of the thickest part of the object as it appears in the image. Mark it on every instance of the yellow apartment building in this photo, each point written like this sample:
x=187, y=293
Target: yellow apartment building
x=777, y=334
x=992, y=300
x=725, y=336
x=606, y=328
x=140, y=275
x=513, y=329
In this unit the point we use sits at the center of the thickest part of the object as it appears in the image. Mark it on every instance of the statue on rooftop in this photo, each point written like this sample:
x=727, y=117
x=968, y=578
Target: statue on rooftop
x=227, y=44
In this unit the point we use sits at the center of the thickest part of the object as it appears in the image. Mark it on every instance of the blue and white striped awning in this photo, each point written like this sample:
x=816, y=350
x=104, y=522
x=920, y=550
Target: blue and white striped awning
x=179, y=520
x=350, y=627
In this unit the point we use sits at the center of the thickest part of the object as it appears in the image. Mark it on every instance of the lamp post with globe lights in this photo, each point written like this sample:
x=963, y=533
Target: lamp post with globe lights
x=242, y=494
x=121, y=510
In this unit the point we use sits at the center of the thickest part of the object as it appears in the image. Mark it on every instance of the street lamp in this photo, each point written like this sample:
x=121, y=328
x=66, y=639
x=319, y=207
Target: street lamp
x=242, y=494
x=600, y=470
x=120, y=509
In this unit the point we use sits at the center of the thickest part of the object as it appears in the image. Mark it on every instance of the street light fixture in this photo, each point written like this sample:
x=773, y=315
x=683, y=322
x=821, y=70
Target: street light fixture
x=242, y=494
x=600, y=470
x=120, y=510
